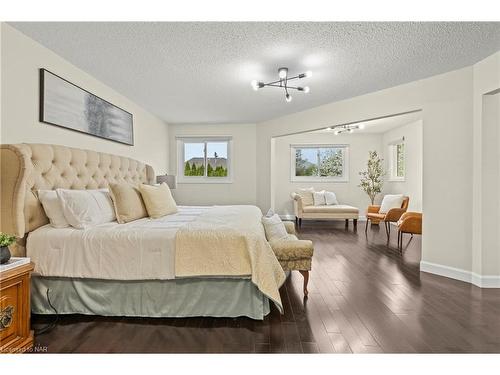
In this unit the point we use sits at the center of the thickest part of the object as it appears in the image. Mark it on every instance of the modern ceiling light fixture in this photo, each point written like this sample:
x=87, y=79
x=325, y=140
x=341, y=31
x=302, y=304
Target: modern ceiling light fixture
x=339, y=129
x=283, y=81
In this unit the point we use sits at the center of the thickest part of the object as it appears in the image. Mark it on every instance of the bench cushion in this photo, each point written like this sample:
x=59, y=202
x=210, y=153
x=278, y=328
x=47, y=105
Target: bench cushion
x=292, y=248
x=334, y=209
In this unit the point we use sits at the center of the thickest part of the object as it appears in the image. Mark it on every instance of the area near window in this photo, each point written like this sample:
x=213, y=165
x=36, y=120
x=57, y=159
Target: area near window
x=319, y=163
x=204, y=159
x=397, y=160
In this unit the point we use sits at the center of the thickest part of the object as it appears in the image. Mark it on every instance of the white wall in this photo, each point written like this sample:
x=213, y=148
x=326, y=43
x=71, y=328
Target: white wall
x=486, y=124
x=490, y=185
x=347, y=192
x=21, y=59
x=244, y=175
x=412, y=184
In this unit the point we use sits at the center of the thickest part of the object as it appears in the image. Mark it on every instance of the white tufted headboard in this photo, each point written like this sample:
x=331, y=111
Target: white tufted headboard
x=26, y=168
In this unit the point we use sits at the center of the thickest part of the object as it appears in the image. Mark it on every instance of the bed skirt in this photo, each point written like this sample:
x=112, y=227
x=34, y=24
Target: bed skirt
x=215, y=297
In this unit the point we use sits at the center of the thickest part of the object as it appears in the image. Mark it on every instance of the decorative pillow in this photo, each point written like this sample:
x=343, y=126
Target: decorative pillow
x=128, y=202
x=85, y=208
x=158, y=200
x=391, y=201
x=330, y=198
x=319, y=198
x=307, y=196
x=274, y=227
x=52, y=208
x=270, y=213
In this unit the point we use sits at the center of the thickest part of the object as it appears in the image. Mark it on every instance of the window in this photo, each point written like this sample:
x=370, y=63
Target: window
x=204, y=160
x=319, y=163
x=397, y=161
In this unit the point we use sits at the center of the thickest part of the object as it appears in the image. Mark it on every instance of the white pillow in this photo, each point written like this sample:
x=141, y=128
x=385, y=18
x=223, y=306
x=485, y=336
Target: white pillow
x=85, y=208
x=319, y=198
x=52, y=208
x=390, y=201
x=330, y=198
x=270, y=213
x=307, y=196
x=274, y=227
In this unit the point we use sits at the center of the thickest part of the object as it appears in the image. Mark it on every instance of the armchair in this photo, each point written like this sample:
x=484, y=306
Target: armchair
x=411, y=223
x=391, y=216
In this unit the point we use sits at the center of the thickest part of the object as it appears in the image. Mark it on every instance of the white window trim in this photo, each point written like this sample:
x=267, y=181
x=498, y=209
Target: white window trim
x=181, y=179
x=392, y=152
x=343, y=179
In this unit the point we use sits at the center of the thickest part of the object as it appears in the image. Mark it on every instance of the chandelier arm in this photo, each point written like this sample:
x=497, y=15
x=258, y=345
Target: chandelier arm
x=288, y=87
x=274, y=82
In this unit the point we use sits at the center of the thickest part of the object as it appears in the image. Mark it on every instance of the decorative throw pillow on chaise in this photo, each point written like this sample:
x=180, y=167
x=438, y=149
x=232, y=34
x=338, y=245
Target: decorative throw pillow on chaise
x=319, y=198
x=307, y=196
x=274, y=227
x=158, y=200
x=330, y=198
x=390, y=201
x=85, y=208
x=52, y=207
x=128, y=203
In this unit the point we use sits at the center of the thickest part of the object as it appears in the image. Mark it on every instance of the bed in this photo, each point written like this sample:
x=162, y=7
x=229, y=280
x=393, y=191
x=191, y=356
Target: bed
x=201, y=261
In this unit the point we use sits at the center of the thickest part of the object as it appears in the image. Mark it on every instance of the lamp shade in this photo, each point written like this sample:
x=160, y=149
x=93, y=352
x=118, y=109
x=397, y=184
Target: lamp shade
x=169, y=179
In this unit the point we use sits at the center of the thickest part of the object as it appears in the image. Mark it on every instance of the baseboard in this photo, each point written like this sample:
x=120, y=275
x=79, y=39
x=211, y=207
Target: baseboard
x=482, y=281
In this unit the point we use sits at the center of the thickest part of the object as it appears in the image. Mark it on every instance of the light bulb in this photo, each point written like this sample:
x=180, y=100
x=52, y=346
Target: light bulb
x=308, y=74
x=328, y=129
x=288, y=98
x=361, y=126
x=282, y=73
x=306, y=89
x=255, y=85
x=336, y=132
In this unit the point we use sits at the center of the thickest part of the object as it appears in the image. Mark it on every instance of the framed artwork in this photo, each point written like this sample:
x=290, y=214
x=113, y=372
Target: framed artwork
x=67, y=105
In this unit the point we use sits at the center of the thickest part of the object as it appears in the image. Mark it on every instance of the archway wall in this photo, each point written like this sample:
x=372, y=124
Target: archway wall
x=447, y=104
x=486, y=169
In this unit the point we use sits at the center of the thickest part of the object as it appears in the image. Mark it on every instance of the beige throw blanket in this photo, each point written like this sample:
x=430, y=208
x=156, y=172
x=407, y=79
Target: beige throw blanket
x=229, y=241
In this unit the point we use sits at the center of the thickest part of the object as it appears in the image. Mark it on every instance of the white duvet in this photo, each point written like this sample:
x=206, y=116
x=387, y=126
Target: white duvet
x=140, y=250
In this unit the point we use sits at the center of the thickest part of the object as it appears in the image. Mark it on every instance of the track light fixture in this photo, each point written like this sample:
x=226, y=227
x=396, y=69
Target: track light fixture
x=283, y=83
x=339, y=129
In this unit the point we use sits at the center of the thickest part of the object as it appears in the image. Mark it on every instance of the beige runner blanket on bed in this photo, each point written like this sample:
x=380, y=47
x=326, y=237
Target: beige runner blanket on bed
x=229, y=241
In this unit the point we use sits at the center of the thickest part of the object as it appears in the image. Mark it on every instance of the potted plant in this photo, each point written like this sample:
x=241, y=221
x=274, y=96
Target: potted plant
x=371, y=179
x=5, y=241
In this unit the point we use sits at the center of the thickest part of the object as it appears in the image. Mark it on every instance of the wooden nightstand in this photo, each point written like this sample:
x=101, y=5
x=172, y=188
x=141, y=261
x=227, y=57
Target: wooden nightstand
x=15, y=333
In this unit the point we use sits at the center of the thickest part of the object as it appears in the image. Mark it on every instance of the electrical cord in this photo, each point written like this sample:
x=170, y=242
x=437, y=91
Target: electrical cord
x=51, y=325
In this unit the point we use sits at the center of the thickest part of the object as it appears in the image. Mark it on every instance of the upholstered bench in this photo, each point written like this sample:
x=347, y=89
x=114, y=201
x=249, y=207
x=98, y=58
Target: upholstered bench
x=294, y=254
x=304, y=208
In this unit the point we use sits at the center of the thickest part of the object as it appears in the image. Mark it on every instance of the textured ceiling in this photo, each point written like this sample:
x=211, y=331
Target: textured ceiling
x=201, y=72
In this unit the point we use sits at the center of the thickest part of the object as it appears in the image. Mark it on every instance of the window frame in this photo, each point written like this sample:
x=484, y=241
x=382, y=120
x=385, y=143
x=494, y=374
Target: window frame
x=182, y=140
x=393, y=160
x=345, y=170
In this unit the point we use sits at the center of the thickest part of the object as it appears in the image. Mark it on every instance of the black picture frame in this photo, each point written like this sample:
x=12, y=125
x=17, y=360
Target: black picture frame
x=102, y=118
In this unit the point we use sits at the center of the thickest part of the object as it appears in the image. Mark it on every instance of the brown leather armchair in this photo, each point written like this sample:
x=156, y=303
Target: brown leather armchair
x=392, y=216
x=411, y=223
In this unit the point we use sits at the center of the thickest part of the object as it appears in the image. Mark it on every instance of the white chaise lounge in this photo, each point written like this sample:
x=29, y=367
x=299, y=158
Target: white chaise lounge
x=304, y=208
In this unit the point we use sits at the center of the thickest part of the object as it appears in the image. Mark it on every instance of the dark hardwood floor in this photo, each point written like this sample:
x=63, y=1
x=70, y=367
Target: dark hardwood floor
x=364, y=298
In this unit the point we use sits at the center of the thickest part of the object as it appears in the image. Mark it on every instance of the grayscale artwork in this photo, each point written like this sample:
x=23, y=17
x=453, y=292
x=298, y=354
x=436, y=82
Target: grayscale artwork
x=67, y=105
